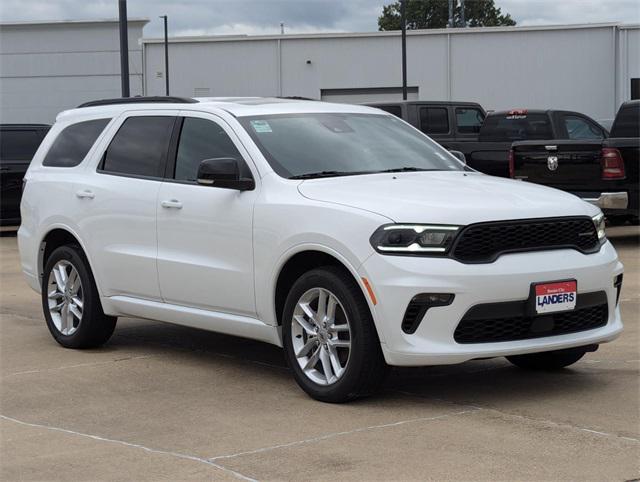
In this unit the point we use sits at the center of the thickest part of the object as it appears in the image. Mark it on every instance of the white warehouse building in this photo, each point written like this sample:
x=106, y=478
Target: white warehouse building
x=589, y=68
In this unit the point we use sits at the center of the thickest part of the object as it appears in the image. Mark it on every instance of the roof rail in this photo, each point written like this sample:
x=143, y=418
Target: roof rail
x=295, y=97
x=140, y=100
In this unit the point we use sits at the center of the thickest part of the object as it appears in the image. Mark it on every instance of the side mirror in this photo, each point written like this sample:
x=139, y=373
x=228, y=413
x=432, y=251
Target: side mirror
x=460, y=156
x=223, y=172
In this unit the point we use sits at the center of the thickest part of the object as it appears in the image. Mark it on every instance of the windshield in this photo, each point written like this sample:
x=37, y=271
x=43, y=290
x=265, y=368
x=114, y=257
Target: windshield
x=316, y=145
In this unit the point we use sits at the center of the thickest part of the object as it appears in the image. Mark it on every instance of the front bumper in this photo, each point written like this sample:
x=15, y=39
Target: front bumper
x=607, y=200
x=397, y=279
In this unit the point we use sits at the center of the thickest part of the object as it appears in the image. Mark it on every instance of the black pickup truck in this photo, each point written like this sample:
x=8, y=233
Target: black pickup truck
x=485, y=139
x=500, y=129
x=18, y=144
x=603, y=172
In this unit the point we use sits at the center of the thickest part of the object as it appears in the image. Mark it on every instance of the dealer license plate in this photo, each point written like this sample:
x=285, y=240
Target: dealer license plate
x=556, y=296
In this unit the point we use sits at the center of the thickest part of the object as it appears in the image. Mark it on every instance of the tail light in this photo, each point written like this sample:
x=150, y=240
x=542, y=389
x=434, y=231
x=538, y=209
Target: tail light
x=512, y=166
x=612, y=164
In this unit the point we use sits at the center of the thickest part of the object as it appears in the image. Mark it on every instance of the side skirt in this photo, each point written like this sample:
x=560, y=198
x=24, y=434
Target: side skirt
x=236, y=325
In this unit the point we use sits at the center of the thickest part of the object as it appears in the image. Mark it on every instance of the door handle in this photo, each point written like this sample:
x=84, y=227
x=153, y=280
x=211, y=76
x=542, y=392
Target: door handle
x=172, y=204
x=85, y=194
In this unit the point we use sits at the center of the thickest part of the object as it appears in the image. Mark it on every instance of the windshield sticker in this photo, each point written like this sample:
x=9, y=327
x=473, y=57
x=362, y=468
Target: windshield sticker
x=260, y=126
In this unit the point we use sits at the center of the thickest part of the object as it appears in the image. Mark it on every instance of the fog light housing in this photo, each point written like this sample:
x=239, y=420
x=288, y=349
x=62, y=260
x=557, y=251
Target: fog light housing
x=617, y=283
x=418, y=307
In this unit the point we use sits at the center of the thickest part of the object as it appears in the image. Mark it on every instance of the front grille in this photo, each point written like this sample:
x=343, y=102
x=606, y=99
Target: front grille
x=484, y=242
x=473, y=329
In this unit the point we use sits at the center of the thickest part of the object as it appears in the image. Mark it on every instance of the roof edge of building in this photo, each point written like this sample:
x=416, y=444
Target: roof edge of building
x=391, y=33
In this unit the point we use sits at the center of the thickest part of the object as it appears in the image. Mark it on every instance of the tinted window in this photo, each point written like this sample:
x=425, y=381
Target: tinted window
x=140, y=146
x=580, y=128
x=396, y=110
x=340, y=144
x=201, y=139
x=627, y=123
x=73, y=143
x=434, y=120
x=516, y=127
x=469, y=120
x=19, y=145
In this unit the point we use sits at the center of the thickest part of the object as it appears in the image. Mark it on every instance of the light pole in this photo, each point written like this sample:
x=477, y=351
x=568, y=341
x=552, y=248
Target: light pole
x=124, y=47
x=403, y=25
x=166, y=55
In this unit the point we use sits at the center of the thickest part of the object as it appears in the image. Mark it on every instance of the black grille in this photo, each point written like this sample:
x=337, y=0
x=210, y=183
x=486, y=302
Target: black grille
x=484, y=242
x=490, y=330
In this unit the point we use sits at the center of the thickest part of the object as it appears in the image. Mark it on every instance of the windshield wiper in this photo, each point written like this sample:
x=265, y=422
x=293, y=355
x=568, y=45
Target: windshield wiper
x=408, y=169
x=312, y=175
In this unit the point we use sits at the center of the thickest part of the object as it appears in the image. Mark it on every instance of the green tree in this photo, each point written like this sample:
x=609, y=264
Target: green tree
x=435, y=14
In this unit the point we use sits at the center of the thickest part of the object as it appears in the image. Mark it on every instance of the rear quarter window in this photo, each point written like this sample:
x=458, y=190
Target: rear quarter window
x=516, y=127
x=73, y=143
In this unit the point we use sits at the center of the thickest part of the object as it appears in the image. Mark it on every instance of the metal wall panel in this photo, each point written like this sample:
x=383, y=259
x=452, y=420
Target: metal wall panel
x=46, y=68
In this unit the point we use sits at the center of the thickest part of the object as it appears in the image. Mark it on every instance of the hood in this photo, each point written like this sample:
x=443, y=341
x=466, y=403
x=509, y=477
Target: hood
x=445, y=197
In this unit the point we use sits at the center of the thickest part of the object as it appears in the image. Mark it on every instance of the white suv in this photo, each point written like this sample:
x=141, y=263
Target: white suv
x=338, y=232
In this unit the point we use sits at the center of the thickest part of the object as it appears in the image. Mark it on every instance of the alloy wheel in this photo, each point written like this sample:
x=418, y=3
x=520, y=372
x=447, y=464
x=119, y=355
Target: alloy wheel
x=65, y=297
x=321, y=336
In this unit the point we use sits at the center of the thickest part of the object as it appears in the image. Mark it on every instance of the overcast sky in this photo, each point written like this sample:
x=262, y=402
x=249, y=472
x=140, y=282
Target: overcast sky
x=198, y=17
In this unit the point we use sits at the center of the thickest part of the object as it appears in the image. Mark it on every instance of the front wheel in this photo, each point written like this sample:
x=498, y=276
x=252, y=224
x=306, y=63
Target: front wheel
x=549, y=360
x=329, y=338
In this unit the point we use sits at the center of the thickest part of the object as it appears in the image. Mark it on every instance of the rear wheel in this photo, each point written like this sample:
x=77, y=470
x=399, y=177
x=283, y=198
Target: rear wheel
x=329, y=338
x=71, y=303
x=549, y=360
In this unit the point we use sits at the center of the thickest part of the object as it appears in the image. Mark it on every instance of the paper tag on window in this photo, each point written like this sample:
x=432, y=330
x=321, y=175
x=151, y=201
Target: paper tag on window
x=261, y=126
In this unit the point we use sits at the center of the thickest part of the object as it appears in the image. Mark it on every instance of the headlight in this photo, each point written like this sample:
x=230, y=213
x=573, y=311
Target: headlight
x=414, y=239
x=598, y=222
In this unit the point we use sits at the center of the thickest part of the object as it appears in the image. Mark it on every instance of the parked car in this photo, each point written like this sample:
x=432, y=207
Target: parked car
x=490, y=154
x=450, y=124
x=18, y=144
x=338, y=232
x=603, y=172
x=485, y=139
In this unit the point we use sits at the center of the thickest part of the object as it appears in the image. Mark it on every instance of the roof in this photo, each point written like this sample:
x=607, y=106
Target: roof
x=420, y=102
x=236, y=106
x=516, y=111
x=389, y=33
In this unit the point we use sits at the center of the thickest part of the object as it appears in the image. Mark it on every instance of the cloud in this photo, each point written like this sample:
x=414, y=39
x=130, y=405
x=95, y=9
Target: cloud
x=257, y=17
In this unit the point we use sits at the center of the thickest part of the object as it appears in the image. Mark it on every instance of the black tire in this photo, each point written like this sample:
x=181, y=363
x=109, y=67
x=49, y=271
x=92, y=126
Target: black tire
x=94, y=327
x=549, y=360
x=366, y=368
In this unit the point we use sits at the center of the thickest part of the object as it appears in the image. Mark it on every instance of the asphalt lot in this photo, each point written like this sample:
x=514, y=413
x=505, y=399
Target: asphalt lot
x=167, y=402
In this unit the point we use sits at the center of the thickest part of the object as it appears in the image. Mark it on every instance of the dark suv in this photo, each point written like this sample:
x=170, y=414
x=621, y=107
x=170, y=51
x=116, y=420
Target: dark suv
x=18, y=144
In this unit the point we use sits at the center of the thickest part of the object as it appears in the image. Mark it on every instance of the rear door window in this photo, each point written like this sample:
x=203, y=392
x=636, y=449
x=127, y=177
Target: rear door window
x=19, y=145
x=139, y=148
x=434, y=120
x=73, y=143
x=469, y=120
x=516, y=127
x=580, y=128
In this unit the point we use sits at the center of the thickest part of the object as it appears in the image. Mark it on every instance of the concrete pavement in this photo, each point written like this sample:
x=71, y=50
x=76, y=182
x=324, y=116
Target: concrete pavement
x=168, y=402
